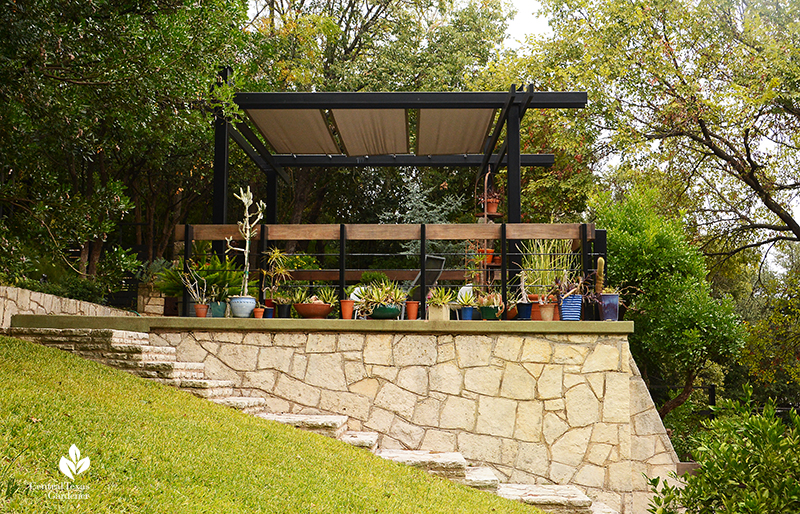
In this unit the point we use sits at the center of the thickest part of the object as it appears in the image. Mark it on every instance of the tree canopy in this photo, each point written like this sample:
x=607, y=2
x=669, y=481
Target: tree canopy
x=697, y=98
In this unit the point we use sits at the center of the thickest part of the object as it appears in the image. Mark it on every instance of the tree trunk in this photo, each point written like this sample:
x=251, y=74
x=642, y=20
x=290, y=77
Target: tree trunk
x=688, y=388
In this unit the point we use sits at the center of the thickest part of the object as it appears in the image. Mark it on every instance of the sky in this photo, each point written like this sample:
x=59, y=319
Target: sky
x=525, y=23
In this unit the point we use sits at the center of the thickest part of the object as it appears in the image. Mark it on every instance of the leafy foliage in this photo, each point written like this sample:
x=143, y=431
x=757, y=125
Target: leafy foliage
x=749, y=463
x=679, y=326
x=698, y=98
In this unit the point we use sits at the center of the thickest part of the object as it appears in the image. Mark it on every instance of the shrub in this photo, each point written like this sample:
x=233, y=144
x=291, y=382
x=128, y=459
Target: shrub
x=749, y=463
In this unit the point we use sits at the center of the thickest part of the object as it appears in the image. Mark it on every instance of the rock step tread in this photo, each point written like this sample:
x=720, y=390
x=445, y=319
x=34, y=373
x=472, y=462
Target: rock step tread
x=444, y=464
x=247, y=404
x=367, y=440
x=482, y=478
x=125, y=364
x=178, y=374
x=555, y=499
x=206, y=383
x=323, y=424
x=141, y=348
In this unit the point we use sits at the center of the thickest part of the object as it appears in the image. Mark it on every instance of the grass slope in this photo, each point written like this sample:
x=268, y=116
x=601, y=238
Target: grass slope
x=156, y=449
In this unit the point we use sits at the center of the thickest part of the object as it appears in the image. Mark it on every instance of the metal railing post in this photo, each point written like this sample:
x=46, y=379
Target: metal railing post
x=188, y=236
x=503, y=269
x=342, y=263
x=423, y=286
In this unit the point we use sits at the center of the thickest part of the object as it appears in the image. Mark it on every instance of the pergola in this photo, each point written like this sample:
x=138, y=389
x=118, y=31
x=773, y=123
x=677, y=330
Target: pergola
x=383, y=129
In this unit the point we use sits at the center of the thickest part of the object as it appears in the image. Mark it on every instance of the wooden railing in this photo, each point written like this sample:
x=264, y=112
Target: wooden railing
x=585, y=239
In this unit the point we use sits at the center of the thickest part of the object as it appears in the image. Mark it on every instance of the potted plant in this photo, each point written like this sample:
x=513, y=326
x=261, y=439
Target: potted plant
x=317, y=306
x=196, y=286
x=275, y=274
x=380, y=300
x=466, y=299
x=543, y=262
x=570, y=297
x=491, y=305
x=523, y=305
x=438, y=300
x=347, y=304
x=490, y=201
x=242, y=305
x=607, y=297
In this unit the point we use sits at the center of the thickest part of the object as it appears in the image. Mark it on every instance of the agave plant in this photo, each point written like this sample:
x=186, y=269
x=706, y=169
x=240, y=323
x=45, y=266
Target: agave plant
x=380, y=293
x=440, y=296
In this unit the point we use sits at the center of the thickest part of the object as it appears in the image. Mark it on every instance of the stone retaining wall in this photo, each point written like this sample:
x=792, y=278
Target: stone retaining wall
x=538, y=408
x=14, y=300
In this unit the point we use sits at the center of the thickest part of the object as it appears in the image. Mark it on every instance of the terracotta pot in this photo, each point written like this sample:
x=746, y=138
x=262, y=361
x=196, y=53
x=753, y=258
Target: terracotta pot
x=200, y=310
x=498, y=259
x=547, y=311
x=412, y=309
x=491, y=205
x=258, y=312
x=313, y=310
x=347, y=308
x=489, y=255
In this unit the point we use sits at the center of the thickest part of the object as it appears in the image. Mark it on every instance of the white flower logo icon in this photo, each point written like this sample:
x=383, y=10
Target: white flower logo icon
x=74, y=465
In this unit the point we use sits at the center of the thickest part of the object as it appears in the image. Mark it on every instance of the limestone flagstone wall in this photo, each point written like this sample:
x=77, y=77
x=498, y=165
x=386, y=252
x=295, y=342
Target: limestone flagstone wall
x=563, y=408
x=14, y=300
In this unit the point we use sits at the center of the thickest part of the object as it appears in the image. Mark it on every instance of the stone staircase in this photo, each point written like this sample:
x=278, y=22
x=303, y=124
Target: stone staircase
x=131, y=352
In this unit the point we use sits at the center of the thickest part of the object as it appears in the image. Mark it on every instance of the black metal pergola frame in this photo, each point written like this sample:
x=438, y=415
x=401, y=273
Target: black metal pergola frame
x=512, y=106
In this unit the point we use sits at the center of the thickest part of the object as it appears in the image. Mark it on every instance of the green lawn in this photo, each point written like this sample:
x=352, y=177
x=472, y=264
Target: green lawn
x=156, y=449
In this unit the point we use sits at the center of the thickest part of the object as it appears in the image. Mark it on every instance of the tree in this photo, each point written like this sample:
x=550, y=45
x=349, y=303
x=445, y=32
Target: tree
x=700, y=97
x=678, y=327
x=103, y=102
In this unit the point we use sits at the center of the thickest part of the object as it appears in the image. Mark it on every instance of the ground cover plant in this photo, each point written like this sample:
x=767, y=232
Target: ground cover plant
x=750, y=463
x=155, y=449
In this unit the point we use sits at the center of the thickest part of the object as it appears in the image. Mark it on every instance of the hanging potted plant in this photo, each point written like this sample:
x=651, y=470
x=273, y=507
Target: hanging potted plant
x=491, y=201
x=438, y=300
x=242, y=305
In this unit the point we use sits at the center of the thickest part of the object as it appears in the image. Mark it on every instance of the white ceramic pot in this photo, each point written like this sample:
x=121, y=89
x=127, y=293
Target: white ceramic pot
x=242, y=306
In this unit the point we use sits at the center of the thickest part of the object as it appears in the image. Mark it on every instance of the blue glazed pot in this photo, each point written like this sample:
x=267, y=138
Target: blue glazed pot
x=571, y=308
x=609, y=306
x=218, y=309
x=524, y=311
x=466, y=313
x=242, y=306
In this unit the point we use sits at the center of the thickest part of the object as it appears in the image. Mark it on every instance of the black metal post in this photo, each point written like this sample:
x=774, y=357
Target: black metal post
x=188, y=236
x=503, y=268
x=342, y=263
x=423, y=286
x=514, y=196
x=219, y=210
x=262, y=244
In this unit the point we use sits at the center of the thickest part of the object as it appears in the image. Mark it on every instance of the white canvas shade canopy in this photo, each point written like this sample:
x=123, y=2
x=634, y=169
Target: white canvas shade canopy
x=350, y=129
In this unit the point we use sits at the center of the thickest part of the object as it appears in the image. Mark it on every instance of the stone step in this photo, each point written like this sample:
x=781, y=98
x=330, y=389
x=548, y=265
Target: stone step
x=481, y=478
x=179, y=370
x=444, y=464
x=127, y=365
x=205, y=388
x=323, y=424
x=555, y=499
x=246, y=404
x=366, y=440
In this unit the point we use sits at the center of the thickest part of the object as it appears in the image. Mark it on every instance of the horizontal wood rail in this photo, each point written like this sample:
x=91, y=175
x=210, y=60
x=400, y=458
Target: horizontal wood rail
x=361, y=232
